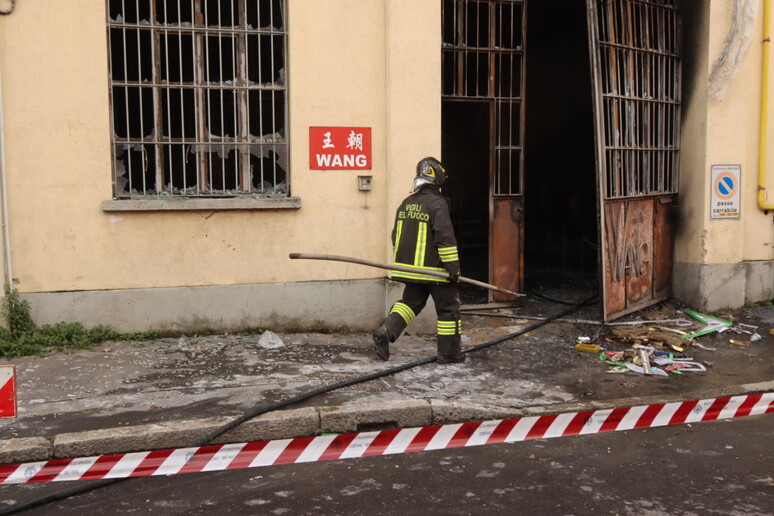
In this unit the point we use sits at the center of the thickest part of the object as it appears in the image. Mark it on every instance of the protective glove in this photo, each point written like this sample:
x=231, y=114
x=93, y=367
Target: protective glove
x=454, y=277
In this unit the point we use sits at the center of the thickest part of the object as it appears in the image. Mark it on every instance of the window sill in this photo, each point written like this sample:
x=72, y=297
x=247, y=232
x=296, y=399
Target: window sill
x=188, y=204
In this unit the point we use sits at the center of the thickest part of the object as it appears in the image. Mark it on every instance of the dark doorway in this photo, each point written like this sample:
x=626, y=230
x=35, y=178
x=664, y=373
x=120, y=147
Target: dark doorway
x=466, y=151
x=561, y=207
x=482, y=58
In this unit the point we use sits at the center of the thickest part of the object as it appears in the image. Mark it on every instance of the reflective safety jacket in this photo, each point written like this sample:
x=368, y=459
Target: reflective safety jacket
x=423, y=237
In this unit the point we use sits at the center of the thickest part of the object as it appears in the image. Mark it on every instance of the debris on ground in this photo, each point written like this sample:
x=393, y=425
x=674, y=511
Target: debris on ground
x=656, y=336
x=711, y=324
x=587, y=348
x=659, y=350
x=270, y=340
x=648, y=360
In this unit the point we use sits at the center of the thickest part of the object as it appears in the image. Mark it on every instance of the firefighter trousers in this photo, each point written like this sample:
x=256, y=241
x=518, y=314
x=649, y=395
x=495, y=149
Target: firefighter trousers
x=447, y=308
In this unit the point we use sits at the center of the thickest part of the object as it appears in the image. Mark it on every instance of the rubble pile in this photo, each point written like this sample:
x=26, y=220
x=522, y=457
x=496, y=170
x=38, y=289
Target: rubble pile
x=659, y=350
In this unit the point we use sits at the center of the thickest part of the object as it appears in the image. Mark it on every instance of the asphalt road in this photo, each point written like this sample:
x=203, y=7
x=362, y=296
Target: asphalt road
x=720, y=467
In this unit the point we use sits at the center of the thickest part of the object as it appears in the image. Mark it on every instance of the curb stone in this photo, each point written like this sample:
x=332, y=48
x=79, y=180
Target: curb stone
x=718, y=392
x=452, y=412
x=25, y=449
x=393, y=414
x=282, y=424
x=287, y=424
x=134, y=438
x=276, y=425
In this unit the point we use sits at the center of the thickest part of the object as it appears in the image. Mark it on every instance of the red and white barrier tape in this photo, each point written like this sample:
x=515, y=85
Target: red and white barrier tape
x=387, y=442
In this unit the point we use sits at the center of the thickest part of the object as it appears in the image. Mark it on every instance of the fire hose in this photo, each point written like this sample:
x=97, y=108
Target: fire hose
x=396, y=267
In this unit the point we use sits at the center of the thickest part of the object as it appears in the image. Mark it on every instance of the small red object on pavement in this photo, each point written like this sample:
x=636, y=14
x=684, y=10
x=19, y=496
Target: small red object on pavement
x=7, y=391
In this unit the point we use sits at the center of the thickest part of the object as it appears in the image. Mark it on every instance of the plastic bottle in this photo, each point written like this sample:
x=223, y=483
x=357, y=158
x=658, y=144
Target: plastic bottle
x=588, y=348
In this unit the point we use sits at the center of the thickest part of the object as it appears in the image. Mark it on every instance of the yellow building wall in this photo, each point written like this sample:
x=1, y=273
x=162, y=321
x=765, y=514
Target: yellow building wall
x=732, y=137
x=352, y=63
x=723, y=263
x=414, y=72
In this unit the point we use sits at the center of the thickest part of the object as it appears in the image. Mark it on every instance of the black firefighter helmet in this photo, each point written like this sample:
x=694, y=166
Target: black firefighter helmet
x=429, y=172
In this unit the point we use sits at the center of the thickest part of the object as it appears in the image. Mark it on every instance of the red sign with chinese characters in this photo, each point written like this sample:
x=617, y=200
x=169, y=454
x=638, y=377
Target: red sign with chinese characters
x=340, y=148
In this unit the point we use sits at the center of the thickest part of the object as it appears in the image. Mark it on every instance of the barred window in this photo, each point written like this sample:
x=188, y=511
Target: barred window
x=483, y=58
x=198, y=91
x=640, y=73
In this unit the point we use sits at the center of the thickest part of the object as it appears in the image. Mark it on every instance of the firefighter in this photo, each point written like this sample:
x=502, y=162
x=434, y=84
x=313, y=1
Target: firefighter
x=423, y=238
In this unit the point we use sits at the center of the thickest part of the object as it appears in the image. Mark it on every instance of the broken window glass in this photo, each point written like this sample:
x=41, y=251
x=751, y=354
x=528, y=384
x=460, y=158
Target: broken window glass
x=198, y=97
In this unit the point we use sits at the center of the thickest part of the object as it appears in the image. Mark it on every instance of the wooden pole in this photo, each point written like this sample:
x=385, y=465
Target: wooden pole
x=438, y=274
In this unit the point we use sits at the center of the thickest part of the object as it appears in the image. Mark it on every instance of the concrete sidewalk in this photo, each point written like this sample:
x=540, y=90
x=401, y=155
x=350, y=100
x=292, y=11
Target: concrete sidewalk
x=169, y=393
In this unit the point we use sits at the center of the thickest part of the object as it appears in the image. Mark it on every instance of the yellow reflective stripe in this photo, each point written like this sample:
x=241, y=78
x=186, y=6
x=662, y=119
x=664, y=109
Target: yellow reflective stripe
x=402, y=309
x=418, y=275
x=448, y=254
x=398, y=231
x=420, y=269
x=419, y=252
x=446, y=327
x=415, y=276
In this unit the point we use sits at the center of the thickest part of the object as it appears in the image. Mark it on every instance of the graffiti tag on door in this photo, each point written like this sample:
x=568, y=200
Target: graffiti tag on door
x=629, y=237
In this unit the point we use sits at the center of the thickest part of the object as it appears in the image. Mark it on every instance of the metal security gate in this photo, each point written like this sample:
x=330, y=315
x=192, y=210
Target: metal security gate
x=483, y=73
x=636, y=83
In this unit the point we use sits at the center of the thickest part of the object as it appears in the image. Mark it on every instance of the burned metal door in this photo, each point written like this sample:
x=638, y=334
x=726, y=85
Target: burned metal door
x=483, y=61
x=636, y=69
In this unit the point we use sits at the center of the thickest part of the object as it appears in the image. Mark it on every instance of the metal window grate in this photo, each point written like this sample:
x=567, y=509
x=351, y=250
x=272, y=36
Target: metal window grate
x=483, y=58
x=199, y=97
x=640, y=64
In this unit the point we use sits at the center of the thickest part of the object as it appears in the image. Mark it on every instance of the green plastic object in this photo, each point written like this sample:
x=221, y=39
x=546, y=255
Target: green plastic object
x=710, y=323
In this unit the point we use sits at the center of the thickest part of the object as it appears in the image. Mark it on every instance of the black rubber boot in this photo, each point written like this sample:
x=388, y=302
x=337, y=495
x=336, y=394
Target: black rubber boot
x=451, y=359
x=382, y=343
x=449, y=349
